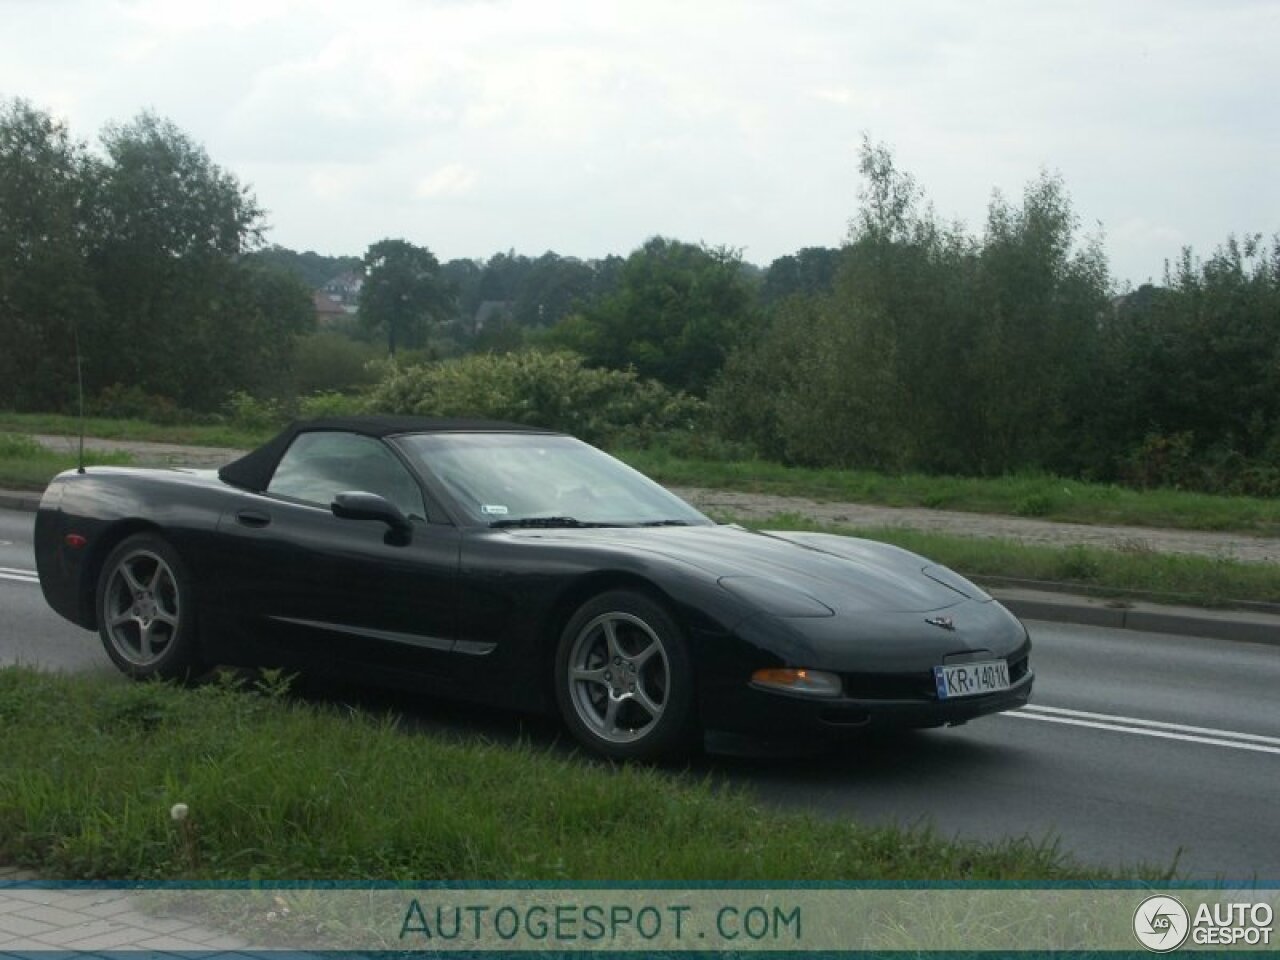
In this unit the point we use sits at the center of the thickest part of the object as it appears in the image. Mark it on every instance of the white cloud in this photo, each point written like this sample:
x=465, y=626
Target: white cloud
x=449, y=181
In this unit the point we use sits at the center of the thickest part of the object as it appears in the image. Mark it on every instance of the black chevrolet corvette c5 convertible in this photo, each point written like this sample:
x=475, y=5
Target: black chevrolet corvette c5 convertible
x=523, y=568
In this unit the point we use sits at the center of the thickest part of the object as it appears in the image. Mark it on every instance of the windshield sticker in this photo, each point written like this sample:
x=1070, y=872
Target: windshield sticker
x=493, y=509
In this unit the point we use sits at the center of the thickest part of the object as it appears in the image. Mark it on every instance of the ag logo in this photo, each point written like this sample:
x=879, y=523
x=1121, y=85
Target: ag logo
x=1161, y=923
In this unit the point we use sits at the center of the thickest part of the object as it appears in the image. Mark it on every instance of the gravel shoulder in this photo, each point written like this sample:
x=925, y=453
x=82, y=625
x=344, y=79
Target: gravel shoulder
x=756, y=506
x=760, y=507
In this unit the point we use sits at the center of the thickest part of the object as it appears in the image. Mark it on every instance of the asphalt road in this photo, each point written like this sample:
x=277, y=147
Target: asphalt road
x=1138, y=748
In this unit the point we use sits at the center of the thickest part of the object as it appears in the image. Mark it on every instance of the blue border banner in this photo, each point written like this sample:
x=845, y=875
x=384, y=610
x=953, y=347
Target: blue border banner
x=48, y=920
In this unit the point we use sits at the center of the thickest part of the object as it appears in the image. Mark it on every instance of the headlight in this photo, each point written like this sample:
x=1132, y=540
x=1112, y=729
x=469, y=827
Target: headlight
x=776, y=599
x=814, y=683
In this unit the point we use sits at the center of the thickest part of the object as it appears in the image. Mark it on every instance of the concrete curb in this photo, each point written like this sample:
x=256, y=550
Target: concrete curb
x=1235, y=625
x=1238, y=625
x=27, y=500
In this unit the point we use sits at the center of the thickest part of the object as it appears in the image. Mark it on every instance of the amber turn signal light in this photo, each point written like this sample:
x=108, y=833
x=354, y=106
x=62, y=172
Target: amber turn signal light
x=815, y=683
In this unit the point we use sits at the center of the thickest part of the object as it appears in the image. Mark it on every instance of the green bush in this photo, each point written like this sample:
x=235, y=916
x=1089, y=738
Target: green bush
x=119, y=402
x=250, y=413
x=1173, y=462
x=553, y=390
x=330, y=361
x=329, y=404
x=16, y=445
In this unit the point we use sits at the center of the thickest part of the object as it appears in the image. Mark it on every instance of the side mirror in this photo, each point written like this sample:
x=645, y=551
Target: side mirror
x=357, y=505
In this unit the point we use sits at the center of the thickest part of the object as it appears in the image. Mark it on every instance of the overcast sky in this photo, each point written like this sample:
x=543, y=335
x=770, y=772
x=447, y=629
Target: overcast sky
x=586, y=126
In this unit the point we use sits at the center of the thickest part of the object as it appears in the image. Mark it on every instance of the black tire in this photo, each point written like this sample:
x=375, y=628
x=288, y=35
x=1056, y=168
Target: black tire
x=624, y=678
x=146, y=612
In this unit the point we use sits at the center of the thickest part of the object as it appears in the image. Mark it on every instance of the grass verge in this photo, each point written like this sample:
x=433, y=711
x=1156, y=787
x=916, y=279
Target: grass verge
x=1029, y=495
x=25, y=465
x=279, y=789
x=1168, y=577
x=200, y=435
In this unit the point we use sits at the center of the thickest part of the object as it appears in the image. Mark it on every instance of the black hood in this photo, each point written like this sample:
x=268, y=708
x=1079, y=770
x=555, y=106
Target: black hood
x=847, y=575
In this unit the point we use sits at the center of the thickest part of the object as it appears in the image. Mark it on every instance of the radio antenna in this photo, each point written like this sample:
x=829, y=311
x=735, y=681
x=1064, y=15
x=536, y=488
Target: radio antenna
x=75, y=332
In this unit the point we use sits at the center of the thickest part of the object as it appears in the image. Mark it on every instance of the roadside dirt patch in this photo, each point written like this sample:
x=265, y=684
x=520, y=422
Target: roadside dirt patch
x=146, y=454
x=759, y=506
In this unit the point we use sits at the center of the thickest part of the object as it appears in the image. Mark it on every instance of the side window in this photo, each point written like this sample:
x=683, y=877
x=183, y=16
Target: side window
x=318, y=466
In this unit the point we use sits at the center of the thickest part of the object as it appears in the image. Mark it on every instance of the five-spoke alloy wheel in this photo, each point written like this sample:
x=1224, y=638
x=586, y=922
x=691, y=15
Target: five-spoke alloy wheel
x=145, y=615
x=624, y=681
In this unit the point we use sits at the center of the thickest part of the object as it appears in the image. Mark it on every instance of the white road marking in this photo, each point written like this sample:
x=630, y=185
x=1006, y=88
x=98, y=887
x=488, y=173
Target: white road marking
x=21, y=576
x=1150, y=728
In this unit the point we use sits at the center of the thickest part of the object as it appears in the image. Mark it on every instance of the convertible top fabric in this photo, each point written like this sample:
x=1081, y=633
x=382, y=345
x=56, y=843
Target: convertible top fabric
x=253, y=471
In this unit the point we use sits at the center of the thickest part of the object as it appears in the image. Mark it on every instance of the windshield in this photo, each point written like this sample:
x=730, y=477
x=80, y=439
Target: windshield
x=515, y=479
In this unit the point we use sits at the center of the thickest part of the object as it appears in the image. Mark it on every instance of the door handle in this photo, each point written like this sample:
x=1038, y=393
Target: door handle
x=252, y=518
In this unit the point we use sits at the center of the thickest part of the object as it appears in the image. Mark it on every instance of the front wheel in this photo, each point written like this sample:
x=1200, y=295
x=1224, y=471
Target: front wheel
x=146, y=616
x=624, y=679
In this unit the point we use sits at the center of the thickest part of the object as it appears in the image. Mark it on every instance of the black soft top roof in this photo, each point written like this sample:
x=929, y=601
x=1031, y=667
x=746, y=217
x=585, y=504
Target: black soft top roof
x=253, y=471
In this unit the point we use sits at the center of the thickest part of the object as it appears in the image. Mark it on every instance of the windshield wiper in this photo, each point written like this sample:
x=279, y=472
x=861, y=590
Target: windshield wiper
x=664, y=523
x=547, y=522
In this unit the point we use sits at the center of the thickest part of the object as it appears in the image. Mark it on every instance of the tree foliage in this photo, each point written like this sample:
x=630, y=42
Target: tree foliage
x=934, y=350
x=1191, y=372
x=677, y=313
x=138, y=251
x=808, y=272
x=46, y=182
x=403, y=293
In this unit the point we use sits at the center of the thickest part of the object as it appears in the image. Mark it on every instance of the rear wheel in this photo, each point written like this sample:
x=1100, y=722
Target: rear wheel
x=146, y=616
x=624, y=679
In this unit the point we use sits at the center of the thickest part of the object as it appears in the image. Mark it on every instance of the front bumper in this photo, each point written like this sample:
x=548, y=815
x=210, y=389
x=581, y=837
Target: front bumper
x=759, y=712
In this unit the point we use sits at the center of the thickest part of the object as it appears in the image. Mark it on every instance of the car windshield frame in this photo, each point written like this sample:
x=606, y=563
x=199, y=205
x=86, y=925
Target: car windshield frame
x=539, y=480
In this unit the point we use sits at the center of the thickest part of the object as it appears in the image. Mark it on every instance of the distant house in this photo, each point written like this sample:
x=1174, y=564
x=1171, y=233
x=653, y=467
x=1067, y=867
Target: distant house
x=345, y=289
x=330, y=313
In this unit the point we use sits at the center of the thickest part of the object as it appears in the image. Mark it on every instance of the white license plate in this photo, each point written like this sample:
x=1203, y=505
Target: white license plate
x=971, y=679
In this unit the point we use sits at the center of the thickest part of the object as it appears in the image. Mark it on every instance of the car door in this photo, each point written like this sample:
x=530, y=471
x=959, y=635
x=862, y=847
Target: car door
x=317, y=590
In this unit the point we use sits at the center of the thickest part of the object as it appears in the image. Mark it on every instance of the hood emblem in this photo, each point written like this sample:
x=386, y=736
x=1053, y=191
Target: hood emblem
x=946, y=623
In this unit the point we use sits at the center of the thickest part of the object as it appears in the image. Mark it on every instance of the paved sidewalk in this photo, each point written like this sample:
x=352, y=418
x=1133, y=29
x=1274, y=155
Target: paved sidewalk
x=92, y=920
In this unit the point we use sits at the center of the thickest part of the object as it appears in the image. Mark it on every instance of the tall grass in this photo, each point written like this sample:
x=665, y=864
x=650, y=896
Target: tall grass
x=26, y=465
x=204, y=435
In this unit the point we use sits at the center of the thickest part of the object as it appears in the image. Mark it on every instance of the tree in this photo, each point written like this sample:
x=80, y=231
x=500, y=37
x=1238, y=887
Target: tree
x=1192, y=374
x=550, y=289
x=403, y=292
x=1041, y=295
x=142, y=254
x=933, y=350
x=164, y=197
x=45, y=288
x=463, y=278
x=809, y=271
x=168, y=231
x=678, y=311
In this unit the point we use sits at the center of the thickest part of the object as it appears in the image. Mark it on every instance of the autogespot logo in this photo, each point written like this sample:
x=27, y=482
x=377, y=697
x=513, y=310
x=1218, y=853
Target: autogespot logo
x=1160, y=923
